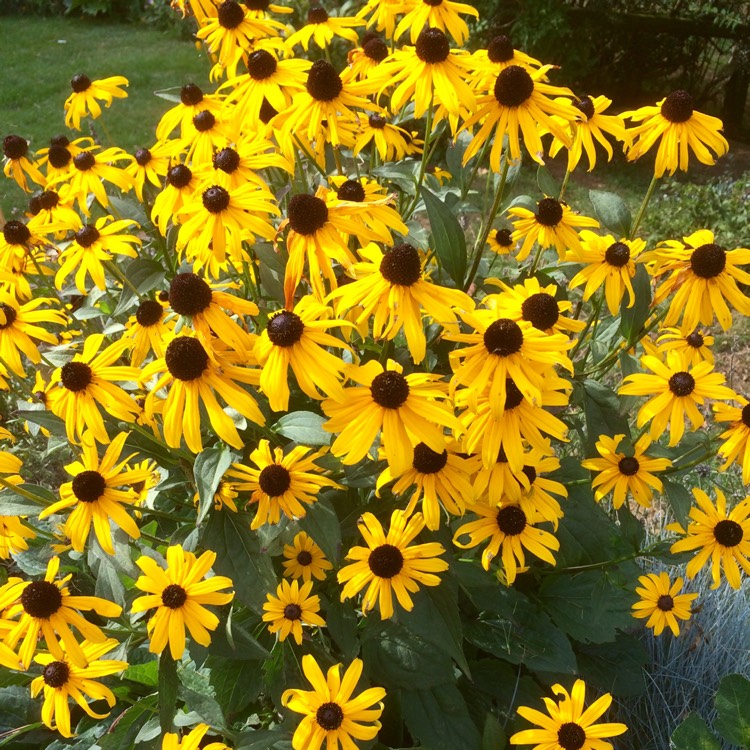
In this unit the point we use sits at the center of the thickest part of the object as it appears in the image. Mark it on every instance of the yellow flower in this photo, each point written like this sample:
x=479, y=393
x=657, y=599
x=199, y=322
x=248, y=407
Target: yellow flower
x=322, y=28
x=662, y=602
x=178, y=190
x=290, y=609
x=304, y=559
x=13, y=533
x=17, y=165
x=192, y=740
x=150, y=165
x=694, y=345
x=179, y=594
x=58, y=157
x=499, y=55
x=392, y=142
x=148, y=328
x=443, y=15
x=501, y=241
x=192, y=102
x=53, y=214
x=86, y=93
x=390, y=564
x=736, y=445
x=383, y=14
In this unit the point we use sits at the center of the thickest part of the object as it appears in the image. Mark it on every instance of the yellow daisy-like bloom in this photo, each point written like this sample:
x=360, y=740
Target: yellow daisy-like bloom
x=721, y=538
x=150, y=165
x=83, y=102
x=383, y=14
x=390, y=564
x=304, y=559
x=17, y=241
x=501, y=241
x=393, y=290
x=736, y=445
x=207, y=133
x=608, y=261
x=662, y=602
x=224, y=497
x=19, y=325
x=194, y=375
x=510, y=531
x=191, y=741
x=503, y=349
x=365, y=59
x=192, y=102
x=675, y=389
x=703, y=277
x=534, y=303
x=179, y=189
x=392, y=142
x=499, y=55
x=92, y=246
x=58, y=156
x=520, y=101
x=17, y=165
x=591, y=127
x=297, y=340
x=681, y=129
x=405, y=408
x=290, y=609
x=624, y=474
x=553, y=225
x=569, y=726
x=321, y=28
x=10, y=464
x=52, y=214
x=444, y=15
x=62, y=679
x=281, y=483
x=332, y=715
x=77, y=389
x=439, y=480
x=94, y=496
x=13, y=533
x=693, y=345
x=47, y=608
x=179, y=593
x=148, y=328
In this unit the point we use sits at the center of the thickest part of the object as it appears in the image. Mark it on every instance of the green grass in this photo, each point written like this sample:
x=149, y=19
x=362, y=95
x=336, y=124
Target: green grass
x=37, y=67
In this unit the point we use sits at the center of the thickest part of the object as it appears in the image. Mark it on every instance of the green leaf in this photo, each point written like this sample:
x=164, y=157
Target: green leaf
x=264, y=739
x=493, y=736
x=341, y=621
x=616, y=668
x=601, y=410
x=235, y=684
x=12, y=504
x=633, y=318
x=732, y=701
x=125, y=728
x=16, y=708
x=447, y=236
x=694, y=734
x=145, y=275
x=439, y=719
x=44, y=419
x=208, y=470
x=198, y=693
x=304, y=427
x=167, y=690
x=546, y=182
x=145, y=674
x=612, y=212
x=322, y=524
x=680, y=500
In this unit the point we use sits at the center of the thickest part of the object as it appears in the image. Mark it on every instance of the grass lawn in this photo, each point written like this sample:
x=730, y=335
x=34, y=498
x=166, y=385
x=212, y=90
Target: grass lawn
x=38, y=57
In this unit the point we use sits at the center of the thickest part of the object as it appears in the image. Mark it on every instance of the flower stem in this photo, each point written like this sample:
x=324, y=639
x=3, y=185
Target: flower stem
x=564, y=185
x=644, y=205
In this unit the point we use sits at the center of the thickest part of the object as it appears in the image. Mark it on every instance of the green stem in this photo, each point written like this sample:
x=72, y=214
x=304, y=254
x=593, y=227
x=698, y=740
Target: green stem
x=537, y=258
x=467, y=186
x=115, y=271
x=564, y=185
x=23, y=493
x=594, y=316
x=310, y=157
x=644, y=205
x=423, y=165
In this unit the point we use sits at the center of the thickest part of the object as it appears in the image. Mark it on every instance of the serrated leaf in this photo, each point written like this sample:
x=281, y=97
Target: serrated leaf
x=208, y=471
x=732, y=701
x=447, y=236
x=145, y=674
x=616, y=668
x=304, y=427
x=612, y=212
x=694, y=734
x=44, y=419
x=12, y=504
x=341, y=620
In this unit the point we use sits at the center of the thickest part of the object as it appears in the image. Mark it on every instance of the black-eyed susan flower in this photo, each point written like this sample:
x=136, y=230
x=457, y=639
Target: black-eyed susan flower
x=10, y=464
x=97, y=494
x=192, y=102
x=331, y=714
x=500, y=54
x=736, y=445
x=78, y=388
x=224, y=496
x=304, y=559
x=322, y=28
x=519, y=104
x=291, y=608
x=179, y=188
x=383, y=14
x=392, y=289
x=407, y=408
x=702, y=278
x=675, y=389
x=553, y=224
x=439, y=480
x=92, y=246
x=392, y=142
x=280, y=483
x=16, y=242
x=17, y=165
x=364, y=59
x=194, y=376
x=716, y=536
x=661, y=601
x=48, y=609
x=569, y=725
x=694, y=344
x=13, y=532
x=179, y=594
x=19, y=326
x=501, y=241
x=443, y=14
x=62, y=679
x=148, y=328
x=207, y=133
x=57, y=158
x=625, y=475
x=297, y=339
x=609, y=262
x=510, y=531
x=390, y=564
x=680, y=129
x=150, y=165
x=194, y=739
x=52, y=213
x=84, y=101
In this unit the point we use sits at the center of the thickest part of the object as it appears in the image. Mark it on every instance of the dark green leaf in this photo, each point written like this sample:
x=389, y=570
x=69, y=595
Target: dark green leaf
x=12, y=504
x=125, y=727
x=167, y=690
x=633, y=318
x=447, y=236
x=264, y=739
x=694, y=734
x=616, y=668
x=733, y=704
x=44, y=419
x=493, y=736
x=546, y=182
x=612, y=212
x=304, y=427
x=145, y=275
x=603, y=414
x=208, y=470
x=680, y=501
x=322, y=524
x=341, y=620
x=145, y=674
x=585, y=533
x=236, y=684
x=198, y=693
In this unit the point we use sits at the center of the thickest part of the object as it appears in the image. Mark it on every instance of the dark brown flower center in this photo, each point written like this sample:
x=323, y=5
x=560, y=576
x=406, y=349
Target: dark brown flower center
x=549, y=212
x=728, y=533
x=585, y=105
x=628, y=465
x=16, y=232
x=186, y=359
x=427, y=461
x=231, y=14
x=143, y=156
x=500, y=49
x=9, y=314
x=708, y=261
x=292, y=612
x=80, y=83
x=59, y=140
x=746, y=415
x=617, y=254
x=190, y=95
x=149, y=313
x=329, y=716
x=15, y=147
x=76, y=376
x=87, y=235
x=433, y=46
x=504, y=237
x=285, y=328
x=677, y=107
x=378, y=122
x=84, y=161
x=540, y=310
x=351, y=190
x=682, y=384
x=694, y=339
x=317, y=15
x=376, y=49
x=41, y=599
x=665, y=603
x=307, y=214
x=513, y=395
x=179, y=176
x=530, y=474
x=571, y=736
x=513, y=86
x=48, y=199
x=89, y=486
x=274, y=480
x=511, y=520
x=401, y=265
x=59, y=156
x=204, y=121
x=389, y=389
x=261, y=65
x=56, y=674
x=503, y=337
x=173, y=596
x=323, y=82
x=189, y=294
x=304, y=558
x=386, y=561
x=216, y=199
